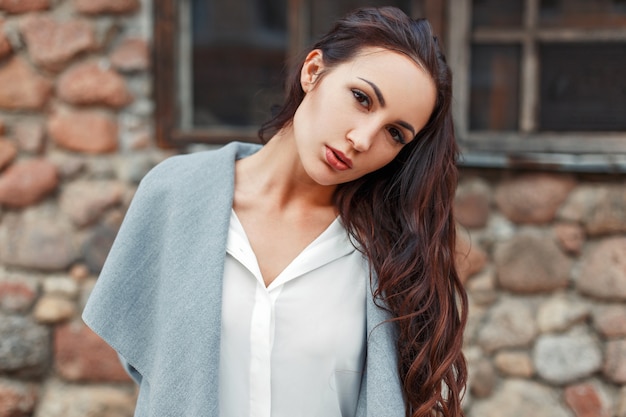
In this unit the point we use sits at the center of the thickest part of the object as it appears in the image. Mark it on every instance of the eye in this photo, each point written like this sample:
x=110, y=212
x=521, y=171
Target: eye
x=396, y=135
x=361, y=98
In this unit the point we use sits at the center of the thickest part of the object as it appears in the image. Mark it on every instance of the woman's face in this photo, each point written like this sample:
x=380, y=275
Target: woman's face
x=357, y=116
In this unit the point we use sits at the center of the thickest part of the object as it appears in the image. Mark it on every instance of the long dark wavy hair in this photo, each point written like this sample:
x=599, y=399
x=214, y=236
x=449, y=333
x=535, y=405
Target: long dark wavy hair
x=402, y=215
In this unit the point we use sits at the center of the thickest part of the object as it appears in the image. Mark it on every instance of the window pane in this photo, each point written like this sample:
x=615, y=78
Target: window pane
x=494, y=95
x=238, y=51
x=582, y=13
x=497, y=13
x=325, y=12
x=583, y=87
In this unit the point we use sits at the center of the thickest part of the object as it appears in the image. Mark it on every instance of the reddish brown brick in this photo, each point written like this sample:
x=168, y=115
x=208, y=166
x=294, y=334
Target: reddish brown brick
x=23, y=6
x=27, y=182
x=81, y=355
x=84, y=131
x=584, y=400
x=89, y=83
x=21, y=88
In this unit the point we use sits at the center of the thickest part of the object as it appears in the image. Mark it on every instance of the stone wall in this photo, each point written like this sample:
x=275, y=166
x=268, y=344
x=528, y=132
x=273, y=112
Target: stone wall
x=76, y=136
x=545, y=262
x=543, y=255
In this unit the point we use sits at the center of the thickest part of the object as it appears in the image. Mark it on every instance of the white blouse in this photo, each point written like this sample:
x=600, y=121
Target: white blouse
x=297, y=347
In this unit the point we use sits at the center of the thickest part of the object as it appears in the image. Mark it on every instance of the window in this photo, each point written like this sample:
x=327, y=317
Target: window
x=540, y=82
x=219, y=64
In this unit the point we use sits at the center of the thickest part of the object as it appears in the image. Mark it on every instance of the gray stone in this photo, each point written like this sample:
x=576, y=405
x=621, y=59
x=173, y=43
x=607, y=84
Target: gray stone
x=510, y=324
x=37, y=242
x=603, y=270
x=530, y=263
x=600, y=208
x=482, y=378
x=610, y=321
x=24, y=347
x=565, y=358
x=559, y=314
x=97, y=246
x=519, y=398
x=85, y=201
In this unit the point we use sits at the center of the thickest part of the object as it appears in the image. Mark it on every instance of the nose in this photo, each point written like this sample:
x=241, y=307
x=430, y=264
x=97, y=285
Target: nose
x=361, y=138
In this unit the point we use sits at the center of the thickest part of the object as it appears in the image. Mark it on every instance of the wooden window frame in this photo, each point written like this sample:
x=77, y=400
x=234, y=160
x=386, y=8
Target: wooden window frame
x=167, y=24
x=567, y=151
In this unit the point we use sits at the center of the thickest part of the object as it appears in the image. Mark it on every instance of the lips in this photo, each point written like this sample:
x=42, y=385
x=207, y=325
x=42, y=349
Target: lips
x=337, y=159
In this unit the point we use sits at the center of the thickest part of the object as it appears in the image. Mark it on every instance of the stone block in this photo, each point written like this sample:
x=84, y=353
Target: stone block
x=509, y=324
x=5, y=45
x=515, y=364
x=97, y=246
x=131, y=55
x=21, y=87
x=472, y=203
x=38, y=242
x=28, y=182
x=565, y=358
x=17, y=294
x=610, y=321
x=585, y=401
x=615, y=361
x=533, y=198
x=8, y=152
x=570, y=237
x=17, y=399
x=80, y=355
x=106, y=6
x=85, y=201
x=470, y=258
x=24, y=347
x=559, y=314
x=52, y=44
x=603, y=270
x=529, y=263
x=519, y=398
x=23, y=6
x=601, y=209
x=61, y=400
x=92, y=84
x=87, y=131
x=51, y=309
x=30, y=136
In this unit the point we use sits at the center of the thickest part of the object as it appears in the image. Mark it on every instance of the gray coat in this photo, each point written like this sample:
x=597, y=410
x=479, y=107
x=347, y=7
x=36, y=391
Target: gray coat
x=157, y=301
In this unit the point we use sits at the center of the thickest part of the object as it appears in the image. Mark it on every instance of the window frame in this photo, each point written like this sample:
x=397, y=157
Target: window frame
x=167, y=50
x=566, y=151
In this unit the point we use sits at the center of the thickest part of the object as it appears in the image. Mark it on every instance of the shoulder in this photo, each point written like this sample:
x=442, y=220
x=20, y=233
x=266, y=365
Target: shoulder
x=203, y=165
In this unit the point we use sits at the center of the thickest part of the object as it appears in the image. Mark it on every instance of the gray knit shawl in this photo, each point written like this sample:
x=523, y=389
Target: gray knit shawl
x=157, y=301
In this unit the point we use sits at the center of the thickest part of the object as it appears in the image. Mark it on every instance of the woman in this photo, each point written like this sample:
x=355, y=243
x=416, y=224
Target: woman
x=313, y=276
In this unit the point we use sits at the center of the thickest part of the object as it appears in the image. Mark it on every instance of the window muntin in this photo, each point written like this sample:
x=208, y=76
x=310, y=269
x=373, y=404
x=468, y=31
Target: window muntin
x=536, y=139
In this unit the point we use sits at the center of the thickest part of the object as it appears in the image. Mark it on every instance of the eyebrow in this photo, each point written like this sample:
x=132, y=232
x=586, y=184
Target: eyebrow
x=381, y=99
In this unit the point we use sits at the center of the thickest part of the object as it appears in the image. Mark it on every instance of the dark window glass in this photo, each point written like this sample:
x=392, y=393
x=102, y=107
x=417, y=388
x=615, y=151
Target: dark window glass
x=325, y=12
x=239, y=48
x=583, y=87
x=582, y=13
x=494, y=95
x=497, y=13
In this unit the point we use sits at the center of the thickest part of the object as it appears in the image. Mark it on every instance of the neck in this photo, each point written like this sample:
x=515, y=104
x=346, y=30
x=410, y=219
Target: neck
x=274, y=175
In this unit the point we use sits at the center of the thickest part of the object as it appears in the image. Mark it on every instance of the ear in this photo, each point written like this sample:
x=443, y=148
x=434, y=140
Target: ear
x=311, y=69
